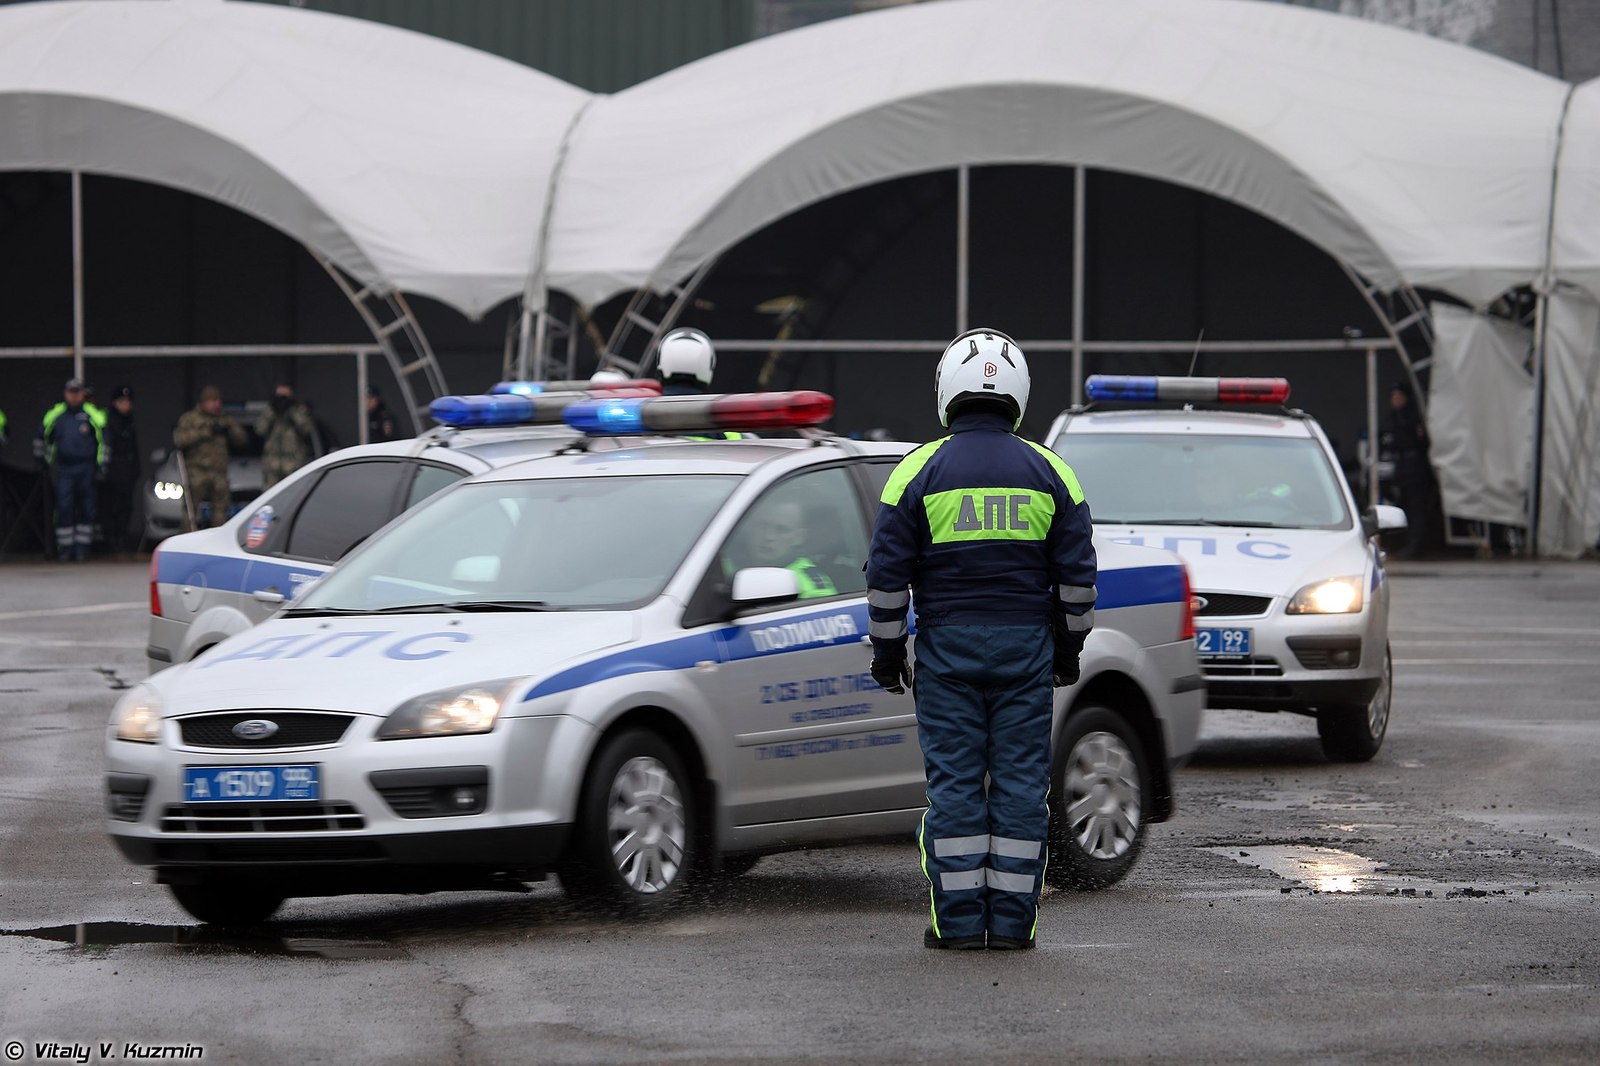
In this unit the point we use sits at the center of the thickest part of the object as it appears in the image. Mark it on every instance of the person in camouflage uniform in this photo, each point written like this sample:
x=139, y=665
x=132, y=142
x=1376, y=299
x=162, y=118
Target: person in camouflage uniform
x=286, y=428
x=204, y=435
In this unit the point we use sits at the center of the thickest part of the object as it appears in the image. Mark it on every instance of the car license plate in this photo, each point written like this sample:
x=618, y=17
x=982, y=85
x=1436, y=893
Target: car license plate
x=241, y=784
x=1222, y=643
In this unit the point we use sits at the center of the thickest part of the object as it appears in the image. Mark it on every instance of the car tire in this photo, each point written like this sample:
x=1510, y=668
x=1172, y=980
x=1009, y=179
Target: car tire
x=234, y=904
x=634, y=845
x=1100, y=789
x=1354, y=734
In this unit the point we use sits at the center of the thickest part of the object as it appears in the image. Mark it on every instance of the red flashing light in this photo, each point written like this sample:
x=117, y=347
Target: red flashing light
x=1253, y=390
x=772, y=410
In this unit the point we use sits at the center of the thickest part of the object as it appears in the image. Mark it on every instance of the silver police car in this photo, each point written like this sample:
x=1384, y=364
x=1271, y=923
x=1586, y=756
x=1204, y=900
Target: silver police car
x=630, y=667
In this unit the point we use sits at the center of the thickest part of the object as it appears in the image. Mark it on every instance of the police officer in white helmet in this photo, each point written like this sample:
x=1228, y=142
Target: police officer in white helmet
x=686, y=361
x=991, y=533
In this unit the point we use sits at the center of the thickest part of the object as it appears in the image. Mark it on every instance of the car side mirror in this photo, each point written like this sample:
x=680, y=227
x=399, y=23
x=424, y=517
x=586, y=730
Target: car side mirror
x=1387, y=523
x=759, y=586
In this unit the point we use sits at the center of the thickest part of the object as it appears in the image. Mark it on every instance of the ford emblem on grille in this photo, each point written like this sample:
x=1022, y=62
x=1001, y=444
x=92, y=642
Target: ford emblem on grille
x=1200, y=604
x=255, y=729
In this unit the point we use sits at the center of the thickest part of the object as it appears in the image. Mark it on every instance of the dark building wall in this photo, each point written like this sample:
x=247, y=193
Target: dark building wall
x=600, y=45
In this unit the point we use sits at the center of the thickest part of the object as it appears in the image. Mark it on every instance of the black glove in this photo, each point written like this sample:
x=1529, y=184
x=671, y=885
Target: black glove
x=892, y=675
x=1064, y=670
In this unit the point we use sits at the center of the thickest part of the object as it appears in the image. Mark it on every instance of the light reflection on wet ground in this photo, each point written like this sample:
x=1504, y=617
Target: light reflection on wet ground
x=1338, y=872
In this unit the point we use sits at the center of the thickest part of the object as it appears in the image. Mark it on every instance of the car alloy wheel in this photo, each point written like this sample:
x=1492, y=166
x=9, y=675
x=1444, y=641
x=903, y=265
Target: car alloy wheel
x=1099, y=793
x=1102, y=796
x=645, y=820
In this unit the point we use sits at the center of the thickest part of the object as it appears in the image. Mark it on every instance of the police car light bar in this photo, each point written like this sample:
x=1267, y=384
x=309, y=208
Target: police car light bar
x=534, y=388
x=682, y=414
x=1128, y=388
x=510, y=409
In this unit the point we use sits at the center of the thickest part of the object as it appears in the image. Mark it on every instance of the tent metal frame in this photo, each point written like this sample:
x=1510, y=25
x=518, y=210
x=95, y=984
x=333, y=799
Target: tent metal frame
x=397, y=335
x=1413, y=314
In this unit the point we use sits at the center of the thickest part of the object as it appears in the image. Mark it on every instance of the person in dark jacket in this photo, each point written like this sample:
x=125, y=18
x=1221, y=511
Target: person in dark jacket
x=991, y=535
x=1405, y=438
x=380, y=423
x=121, y=471
x=71, y=441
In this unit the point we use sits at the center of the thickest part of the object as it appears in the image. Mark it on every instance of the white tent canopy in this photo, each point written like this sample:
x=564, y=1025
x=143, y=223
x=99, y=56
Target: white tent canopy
x=410, y=162
x=1409, y=158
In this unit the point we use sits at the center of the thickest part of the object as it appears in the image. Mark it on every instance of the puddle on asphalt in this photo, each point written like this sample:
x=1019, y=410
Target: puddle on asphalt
x=1292, y=799
x=1339, y=872
x=203, y=939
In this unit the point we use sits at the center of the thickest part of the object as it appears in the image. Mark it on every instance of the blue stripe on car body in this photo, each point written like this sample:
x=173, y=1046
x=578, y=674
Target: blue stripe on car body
x=1134, y=587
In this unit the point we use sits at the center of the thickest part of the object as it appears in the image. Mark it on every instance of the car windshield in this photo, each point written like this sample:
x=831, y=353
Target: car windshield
x=1194, y=479
x=594, y=543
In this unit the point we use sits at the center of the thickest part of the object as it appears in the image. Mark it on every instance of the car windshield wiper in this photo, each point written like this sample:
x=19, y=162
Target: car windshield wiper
x=1159, y=521
x=404, y=608
x=1241, y=524
x=498, y=605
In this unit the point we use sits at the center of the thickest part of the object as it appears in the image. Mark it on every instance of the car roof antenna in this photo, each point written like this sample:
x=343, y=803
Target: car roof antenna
x=1195, y=358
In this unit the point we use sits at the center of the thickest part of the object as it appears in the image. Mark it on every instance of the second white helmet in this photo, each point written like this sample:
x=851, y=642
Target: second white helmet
x=982, y=364
x=687, y=351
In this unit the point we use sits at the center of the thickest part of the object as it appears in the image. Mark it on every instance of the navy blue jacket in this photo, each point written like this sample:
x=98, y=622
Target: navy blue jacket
x=984, y=528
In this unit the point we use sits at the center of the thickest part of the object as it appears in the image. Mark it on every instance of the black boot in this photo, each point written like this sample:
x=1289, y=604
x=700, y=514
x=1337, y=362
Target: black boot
x=1008, y=943
x=930, y=939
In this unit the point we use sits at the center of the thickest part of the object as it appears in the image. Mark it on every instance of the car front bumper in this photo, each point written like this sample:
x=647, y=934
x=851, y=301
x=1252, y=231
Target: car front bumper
x=1299, y=663
x=375, y=825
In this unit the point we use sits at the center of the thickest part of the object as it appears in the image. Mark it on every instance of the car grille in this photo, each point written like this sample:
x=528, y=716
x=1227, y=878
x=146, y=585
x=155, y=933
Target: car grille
x=260, y=817
x=1260, y=667
x=296, y=729
x=1232, y=605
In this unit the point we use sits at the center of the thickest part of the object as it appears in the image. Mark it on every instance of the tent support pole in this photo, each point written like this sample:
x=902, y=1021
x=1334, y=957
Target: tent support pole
x=1541, y=327
x=963, y=242
x=1372, y=426
x=361, y=398
x=77, y=274
x=1079, y=213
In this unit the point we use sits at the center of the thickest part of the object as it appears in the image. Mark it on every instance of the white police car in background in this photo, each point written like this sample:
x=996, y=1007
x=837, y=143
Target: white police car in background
x=1291, y=602
x=630, y=666
x=208, y=585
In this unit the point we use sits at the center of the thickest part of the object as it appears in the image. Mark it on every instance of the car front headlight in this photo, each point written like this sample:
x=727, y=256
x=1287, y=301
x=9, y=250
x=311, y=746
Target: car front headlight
x=1337, y=595
x=168, y=490
x=137, y=716
x=452, y=712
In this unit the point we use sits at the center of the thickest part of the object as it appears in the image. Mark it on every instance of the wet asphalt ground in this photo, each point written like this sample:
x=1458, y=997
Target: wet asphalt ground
x=1438, y=904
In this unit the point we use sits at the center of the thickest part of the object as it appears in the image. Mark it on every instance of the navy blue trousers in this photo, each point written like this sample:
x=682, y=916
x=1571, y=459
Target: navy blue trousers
x=74, y=508
x=983, y=710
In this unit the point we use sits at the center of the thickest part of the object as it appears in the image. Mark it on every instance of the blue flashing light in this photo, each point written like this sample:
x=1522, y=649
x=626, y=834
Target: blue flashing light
x=1111, y=388
x=464, y=411
x=517, y=388
x=606, y=416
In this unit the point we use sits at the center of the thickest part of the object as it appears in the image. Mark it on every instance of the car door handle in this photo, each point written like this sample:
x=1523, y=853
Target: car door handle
x=267, y=595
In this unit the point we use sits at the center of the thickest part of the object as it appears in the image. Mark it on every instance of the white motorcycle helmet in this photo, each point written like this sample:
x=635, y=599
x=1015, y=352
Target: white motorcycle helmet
x=688, y=352
x=982, y=364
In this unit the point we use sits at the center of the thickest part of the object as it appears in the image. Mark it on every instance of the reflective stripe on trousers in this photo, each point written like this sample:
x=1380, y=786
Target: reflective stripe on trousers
x=984, y=708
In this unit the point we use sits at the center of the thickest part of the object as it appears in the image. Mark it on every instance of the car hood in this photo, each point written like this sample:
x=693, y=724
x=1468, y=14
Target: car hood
x=372, y=663
x=1259, y=562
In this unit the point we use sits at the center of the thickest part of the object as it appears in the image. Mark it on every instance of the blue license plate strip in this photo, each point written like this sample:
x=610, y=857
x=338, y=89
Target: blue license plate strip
x=1230, y=643
x=250, y=784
